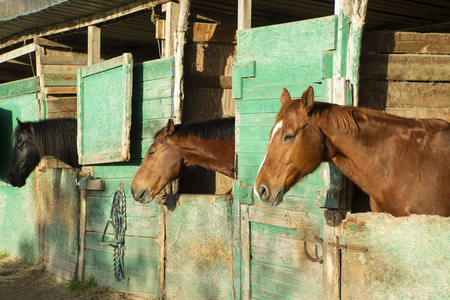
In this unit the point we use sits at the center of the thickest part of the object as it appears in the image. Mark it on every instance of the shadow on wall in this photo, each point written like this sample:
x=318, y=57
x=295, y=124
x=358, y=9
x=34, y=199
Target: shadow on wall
x=28, y=251
x=6, y=129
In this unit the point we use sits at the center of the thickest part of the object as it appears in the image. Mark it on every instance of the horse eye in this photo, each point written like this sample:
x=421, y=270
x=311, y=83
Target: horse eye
x=151, y=152
x=289, y=137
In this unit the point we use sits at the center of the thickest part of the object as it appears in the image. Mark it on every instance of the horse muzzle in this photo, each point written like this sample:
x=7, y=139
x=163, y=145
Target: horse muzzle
x=143, y=196
x=268, y=197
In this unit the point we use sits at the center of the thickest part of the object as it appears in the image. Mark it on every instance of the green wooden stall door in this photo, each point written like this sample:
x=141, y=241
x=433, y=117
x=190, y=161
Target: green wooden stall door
x=104, y=111
x=269, y=256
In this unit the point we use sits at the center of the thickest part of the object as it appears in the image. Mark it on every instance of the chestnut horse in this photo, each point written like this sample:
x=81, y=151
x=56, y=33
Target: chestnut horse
x=55, y=137
x=403, y=164
x=207, y=144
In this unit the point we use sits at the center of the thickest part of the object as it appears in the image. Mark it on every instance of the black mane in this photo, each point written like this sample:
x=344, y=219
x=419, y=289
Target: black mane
x=56, y=137
x=220, y=129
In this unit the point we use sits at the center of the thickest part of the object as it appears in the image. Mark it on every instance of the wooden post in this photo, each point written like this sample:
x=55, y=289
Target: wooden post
x=94, y=45
x=82, y=235
x=179, y=55
x=331, y=255
x=172, y=10
x=244, y=14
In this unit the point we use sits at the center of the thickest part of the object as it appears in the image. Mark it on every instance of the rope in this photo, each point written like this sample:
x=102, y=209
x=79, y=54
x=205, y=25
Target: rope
x=118, y=220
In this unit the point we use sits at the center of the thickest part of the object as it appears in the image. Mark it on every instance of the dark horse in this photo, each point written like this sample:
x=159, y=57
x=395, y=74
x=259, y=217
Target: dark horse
x=403, y=164
x=207, y=144
x=56, y=137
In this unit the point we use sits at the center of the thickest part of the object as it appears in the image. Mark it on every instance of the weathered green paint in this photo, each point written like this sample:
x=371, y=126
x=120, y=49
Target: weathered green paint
x=19, y=227
x=151, y=107
x=274, y=266
x=199, y=262
x=19, y=87
x=407, y=257
x=241, y=70
x=104, y=111
x=60, y=79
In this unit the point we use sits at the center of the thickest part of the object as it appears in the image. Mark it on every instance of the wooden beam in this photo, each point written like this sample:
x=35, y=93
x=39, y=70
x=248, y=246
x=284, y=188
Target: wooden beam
x=80, y=23
x=244, y=14
x=172, y=10
x=94, y=45
x=50, y=43
x=17, y=52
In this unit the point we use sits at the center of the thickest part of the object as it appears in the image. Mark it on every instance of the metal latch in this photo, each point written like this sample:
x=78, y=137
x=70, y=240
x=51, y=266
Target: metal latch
x=362, y=249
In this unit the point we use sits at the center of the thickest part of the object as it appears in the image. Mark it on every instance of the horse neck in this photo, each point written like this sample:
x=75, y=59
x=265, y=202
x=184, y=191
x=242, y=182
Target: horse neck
x=348, y=145
x=216, y=155
x=57, y=143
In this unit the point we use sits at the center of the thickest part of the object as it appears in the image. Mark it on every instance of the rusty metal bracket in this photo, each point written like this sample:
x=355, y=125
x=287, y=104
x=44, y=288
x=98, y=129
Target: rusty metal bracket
x=362, y=249
x=308, y=256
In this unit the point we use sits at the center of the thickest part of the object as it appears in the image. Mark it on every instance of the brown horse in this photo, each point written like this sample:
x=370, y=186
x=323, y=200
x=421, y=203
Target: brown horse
x=403, y=164
x=208, y=144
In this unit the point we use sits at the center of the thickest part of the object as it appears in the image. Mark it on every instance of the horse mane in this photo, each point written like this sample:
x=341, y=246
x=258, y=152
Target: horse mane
x=219, y=129
x=434, y=125
x=55, y=137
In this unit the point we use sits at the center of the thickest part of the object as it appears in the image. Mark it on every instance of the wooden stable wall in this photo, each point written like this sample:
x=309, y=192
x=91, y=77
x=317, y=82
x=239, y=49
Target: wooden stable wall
x=406, y=73
x=209, y=56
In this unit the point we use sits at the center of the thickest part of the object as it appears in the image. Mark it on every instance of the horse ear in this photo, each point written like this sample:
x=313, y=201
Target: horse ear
x=307, y=100
x=19, y=123
x=285, y=96
x=170, y=128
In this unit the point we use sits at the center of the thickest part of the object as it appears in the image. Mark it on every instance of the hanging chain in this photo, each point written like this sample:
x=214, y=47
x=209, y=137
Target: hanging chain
x=118, y=220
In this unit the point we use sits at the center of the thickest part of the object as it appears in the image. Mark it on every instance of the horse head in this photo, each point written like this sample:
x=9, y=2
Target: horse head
x=295, y=149
x=25, y=156
x=162, y=163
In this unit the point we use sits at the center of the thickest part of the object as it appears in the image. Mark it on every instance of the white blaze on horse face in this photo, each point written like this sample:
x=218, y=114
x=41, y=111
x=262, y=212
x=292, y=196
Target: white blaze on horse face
x=274, y=131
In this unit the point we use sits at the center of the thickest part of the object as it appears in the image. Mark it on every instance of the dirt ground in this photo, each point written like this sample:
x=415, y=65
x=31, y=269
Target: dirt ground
x=22, y=281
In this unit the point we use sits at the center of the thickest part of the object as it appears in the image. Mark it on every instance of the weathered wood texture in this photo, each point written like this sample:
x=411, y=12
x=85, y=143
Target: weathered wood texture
x=407, y=257
x=199, y=248
x=19, y=222
x=268, y=59
x=151, y=107
x=60, y=205
x=406, y=74
x=104, y=108
x=209, y=55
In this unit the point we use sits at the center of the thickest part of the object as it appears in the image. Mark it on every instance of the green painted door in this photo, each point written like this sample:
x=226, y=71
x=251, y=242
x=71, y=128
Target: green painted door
x=268, y=241
x=152, y=90
x=19, y=221
x=407, y=258
x=199, y=259
x=104, y=111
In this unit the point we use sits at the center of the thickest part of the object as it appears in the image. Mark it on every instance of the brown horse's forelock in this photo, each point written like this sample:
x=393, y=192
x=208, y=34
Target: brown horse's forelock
x=220, y=129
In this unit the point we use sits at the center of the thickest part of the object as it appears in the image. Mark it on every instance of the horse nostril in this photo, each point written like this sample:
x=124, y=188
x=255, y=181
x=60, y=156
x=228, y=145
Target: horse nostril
x=263, y=192
x=142, y=195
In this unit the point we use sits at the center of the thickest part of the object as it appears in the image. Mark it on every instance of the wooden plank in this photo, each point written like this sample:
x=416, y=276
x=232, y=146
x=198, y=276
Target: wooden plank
x=138, y=227
x=135, y=265
x=244, y=14
x=415, y=67
x=62, y=104
x=79, y=23
x=19, y=87
x=61, y=90
x=70, y=69
x=94, y=45
x=420, y=113
x=58, y=79
x=153, y=70
x=63, y=60
x=282, y=218
x=382, y=94
x=405, y=42
x=146, y=287
x=49, y=43
x=209, y=81
x=17, y=52
x=212, y=33
x=397, y=246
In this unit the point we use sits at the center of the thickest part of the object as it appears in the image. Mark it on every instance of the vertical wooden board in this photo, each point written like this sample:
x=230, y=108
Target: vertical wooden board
x=19, y=222
x=104, y=111
x=407, y=257
x=199, y=249
x=61, y=213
